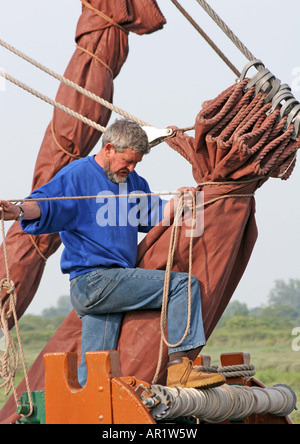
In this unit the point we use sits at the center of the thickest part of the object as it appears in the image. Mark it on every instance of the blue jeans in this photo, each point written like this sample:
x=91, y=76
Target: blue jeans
x=101, y=297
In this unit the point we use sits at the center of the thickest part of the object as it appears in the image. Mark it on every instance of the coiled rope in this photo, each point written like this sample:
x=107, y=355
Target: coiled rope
x=228, y=402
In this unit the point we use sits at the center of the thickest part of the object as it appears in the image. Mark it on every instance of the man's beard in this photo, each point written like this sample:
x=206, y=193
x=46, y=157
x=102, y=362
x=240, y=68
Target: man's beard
x=113, y=177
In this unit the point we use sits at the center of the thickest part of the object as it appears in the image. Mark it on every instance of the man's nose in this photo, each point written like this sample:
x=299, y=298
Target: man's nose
x=131, y=167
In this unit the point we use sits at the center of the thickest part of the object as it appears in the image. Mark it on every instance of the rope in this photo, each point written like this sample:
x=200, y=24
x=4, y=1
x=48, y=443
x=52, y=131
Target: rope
x=96, y=58
x=9, y=361
x=169, y=193
x=37, y=247
x=230, y=371
x=73, y=156
x=169, y=266
x=69, y=83
x=103, y=196
x=228, y=402
x=173, y=242
x=104, y=16
x=230, y=34
x=206, y=38
x=237, y=371
x=52, y=102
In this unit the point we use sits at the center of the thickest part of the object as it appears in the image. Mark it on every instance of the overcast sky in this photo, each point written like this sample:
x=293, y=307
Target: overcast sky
x=164, y=81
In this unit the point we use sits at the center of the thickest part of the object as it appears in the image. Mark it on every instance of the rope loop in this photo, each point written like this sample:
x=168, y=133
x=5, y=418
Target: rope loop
x=9, y=358
x=7, y=307
x=7, y=285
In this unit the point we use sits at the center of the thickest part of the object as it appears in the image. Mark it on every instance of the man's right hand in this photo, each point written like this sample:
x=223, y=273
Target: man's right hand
x=10, y=211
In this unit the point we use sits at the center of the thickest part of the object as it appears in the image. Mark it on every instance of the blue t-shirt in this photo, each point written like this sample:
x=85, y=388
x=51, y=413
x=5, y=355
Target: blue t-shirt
x=98, y=232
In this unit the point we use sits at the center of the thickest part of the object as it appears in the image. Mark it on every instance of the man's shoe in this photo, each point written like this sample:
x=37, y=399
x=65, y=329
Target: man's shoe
x=183, y=375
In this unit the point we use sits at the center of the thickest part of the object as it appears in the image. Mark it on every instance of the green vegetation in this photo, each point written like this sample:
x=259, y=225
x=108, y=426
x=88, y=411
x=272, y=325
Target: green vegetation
x=267, y=333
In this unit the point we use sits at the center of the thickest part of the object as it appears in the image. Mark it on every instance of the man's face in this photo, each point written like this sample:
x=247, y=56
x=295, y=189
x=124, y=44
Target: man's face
x=119, y=165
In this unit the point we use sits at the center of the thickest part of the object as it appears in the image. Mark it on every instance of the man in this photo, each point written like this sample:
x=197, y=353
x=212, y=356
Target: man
x=100, y=239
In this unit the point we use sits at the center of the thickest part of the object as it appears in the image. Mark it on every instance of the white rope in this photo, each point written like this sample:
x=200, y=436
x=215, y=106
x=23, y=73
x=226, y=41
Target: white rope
x=73, y=85
x=52, y=102
x=225, y=28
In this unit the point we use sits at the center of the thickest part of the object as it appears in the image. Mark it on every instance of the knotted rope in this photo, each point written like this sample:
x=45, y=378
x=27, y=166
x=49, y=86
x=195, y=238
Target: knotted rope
x=9, y=359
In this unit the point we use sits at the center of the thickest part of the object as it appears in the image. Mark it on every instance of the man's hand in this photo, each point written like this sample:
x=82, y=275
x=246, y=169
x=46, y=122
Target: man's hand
x=9, y=211
x=186, y=193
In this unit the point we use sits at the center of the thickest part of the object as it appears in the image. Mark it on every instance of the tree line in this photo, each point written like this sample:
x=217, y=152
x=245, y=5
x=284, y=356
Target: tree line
x=283, y=302
x=282, y=311
x=283, y=306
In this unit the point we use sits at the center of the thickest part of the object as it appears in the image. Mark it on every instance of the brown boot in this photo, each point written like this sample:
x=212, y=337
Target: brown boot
x=183, y=375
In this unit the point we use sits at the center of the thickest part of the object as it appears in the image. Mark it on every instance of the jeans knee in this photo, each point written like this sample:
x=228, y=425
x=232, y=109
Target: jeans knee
x=195, y=286
x=194, y=280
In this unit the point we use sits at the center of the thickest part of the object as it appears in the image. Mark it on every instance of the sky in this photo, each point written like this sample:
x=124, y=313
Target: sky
x=165, y=80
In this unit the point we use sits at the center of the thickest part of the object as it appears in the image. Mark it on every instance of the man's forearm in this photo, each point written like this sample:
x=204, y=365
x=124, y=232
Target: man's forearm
x=31, y=210
x=12, y=212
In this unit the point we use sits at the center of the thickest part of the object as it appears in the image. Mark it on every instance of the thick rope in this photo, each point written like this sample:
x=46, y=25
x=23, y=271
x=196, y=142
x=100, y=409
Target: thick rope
x=10, y=359
x=230, y=371
x=69, y=83
x=52, y=102
x=206, y=38
x=230, y=34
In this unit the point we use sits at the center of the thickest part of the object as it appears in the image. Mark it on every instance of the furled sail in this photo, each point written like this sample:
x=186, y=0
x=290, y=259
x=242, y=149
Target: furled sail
x=241, y=140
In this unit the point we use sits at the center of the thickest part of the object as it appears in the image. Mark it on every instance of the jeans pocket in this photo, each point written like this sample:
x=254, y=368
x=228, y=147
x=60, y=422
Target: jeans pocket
x=88, y=289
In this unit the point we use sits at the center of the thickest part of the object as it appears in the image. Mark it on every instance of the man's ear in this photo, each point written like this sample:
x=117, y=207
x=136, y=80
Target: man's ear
x=108, y=149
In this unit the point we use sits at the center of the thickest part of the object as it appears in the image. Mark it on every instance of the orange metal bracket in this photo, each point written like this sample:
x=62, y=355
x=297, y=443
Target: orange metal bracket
x=105, y=399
